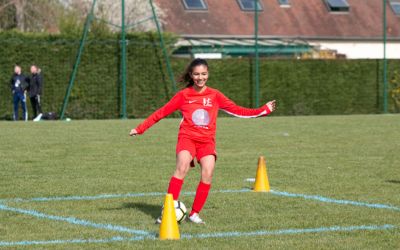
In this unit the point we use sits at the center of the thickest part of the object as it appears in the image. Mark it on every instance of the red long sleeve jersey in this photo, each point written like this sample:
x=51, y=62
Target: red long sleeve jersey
x=200, y=111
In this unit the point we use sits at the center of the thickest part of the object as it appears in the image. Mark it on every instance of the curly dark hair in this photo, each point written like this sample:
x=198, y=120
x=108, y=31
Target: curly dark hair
x=185, y=78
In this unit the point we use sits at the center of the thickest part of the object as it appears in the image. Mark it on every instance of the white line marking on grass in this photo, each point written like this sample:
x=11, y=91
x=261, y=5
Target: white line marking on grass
x=74, y=221
x=330, y=200
x=85, y=198
x=74, y=241
x=274, y=192
x=208, y=235
x=108, y=196
x=290, y=231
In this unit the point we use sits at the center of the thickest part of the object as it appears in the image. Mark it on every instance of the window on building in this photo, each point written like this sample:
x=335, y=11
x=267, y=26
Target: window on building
x=195, y=4
x=284, y=3
x=395, y=7
x=338, y=5
x=248, y=5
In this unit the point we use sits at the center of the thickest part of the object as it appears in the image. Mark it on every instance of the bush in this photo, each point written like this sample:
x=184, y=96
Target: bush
x=395, y=91
x=301, y=87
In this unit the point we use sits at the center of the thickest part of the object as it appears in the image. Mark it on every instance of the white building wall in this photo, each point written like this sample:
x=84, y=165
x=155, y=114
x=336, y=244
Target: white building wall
x=361, y=50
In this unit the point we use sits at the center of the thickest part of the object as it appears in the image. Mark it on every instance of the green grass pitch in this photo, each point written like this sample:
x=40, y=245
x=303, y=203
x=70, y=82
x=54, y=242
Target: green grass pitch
x=341, y=158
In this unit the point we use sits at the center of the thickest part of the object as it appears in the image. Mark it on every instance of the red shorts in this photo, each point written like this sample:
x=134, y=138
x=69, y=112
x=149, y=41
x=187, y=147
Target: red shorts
x=197, y=149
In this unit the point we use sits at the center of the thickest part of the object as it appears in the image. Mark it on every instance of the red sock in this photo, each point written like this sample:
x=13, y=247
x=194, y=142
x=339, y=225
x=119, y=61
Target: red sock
x=175, y=186
x=201, y=197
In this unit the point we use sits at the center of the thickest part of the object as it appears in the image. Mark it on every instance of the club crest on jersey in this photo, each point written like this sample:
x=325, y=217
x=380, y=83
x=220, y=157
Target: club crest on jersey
x=200, y=117
x=207, y=102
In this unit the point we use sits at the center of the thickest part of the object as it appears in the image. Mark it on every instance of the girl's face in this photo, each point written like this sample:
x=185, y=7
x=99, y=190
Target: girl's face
x=200, y=76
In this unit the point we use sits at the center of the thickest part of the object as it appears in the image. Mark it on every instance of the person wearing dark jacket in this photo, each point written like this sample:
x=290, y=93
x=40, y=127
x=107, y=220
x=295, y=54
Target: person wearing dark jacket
x=35, y=91
x=18, y=87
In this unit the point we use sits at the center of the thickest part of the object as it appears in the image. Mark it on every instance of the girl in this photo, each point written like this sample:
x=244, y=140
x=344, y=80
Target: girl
x=199, y=105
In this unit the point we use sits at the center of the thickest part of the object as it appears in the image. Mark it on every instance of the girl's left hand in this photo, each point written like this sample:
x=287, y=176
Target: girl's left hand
x=271, y=105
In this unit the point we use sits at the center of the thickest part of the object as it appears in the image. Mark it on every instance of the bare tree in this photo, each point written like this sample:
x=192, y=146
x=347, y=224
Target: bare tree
x=29, y=15
x=19, y=14
x=46, y=15
x=137, y=12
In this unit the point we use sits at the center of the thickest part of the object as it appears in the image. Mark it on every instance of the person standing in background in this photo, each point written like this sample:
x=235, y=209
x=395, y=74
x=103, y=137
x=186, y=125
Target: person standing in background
x=35, y=92
x=18, y=88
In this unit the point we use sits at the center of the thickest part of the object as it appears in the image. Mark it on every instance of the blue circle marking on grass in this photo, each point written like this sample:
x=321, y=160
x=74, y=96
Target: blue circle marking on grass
x=336, y=201
x=74, y=221
x=290, y=231
x=151, y=235
x=274, y=192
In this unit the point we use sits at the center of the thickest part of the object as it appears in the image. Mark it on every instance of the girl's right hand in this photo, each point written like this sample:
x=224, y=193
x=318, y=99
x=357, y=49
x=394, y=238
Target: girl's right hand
x=133, y=132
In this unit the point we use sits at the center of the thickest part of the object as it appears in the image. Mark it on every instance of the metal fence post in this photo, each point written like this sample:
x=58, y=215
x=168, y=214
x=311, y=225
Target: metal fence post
x=257, y=66
x=385, y=87
x=164, y=51
x=89, y=19
x=123, y=59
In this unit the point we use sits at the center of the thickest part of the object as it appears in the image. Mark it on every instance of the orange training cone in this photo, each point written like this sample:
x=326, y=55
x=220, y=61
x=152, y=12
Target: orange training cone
x=262, y=183
x=169, y=229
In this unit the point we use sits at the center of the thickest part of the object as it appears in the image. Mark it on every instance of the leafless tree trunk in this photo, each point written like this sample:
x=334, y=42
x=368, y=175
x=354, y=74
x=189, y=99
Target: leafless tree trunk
x=20, y=14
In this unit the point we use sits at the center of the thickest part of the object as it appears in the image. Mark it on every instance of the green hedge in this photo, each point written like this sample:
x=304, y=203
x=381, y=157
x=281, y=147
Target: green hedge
x=301, y=87
x=96, y=93
x=306, y=87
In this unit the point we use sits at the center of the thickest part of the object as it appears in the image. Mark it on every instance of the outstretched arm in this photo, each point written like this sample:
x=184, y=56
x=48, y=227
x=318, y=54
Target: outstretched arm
x=166, y=110
x=231, y=108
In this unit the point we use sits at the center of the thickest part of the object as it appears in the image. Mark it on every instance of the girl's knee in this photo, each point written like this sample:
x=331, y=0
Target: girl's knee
x=182, y=169
x=206, y=176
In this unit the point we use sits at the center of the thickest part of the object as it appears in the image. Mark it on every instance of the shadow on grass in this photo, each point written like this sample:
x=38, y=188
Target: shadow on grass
x=394, y=181
x=152, y=210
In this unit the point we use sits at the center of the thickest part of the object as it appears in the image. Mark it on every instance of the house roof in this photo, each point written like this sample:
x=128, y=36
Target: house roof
x=303, y=19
